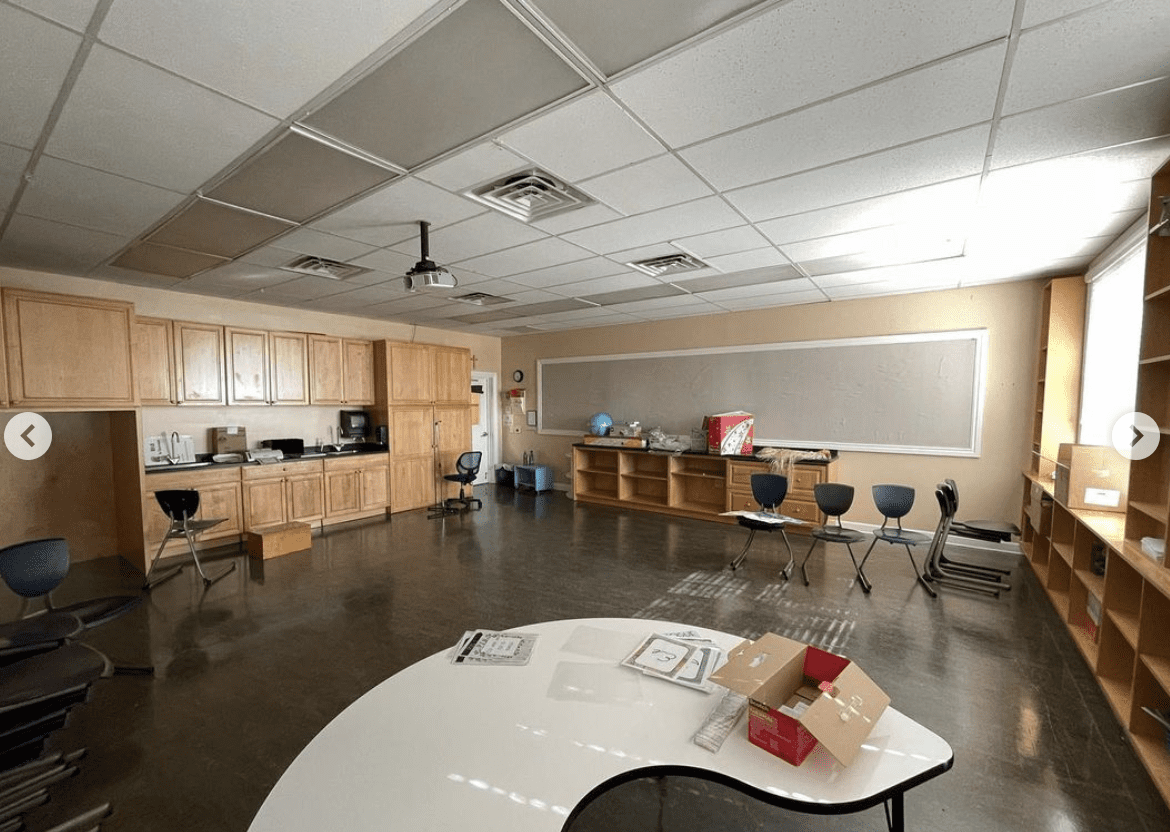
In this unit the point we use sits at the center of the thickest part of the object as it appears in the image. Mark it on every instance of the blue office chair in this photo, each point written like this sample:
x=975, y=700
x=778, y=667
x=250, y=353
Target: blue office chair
x=834, y=499
x=769, y=490
x=894, y=502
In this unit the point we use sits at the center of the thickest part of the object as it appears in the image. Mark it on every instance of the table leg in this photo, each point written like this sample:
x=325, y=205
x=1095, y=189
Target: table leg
x=895, y=813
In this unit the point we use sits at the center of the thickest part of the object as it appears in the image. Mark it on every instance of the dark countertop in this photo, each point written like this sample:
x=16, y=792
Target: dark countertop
x=204, y=462
x=735, y=457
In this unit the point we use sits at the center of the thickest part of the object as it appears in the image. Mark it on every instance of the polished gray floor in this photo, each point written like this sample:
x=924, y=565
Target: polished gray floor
x=248, y=672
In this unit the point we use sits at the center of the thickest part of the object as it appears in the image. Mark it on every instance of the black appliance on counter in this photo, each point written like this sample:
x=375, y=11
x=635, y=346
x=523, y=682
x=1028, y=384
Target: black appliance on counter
x=288, y=447
x=355, y=424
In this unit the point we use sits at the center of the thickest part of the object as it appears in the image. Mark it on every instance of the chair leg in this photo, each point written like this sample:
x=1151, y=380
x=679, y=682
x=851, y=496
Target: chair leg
x=791, y=559
x=866, y=586
x=921, y=577
x=735, y=564
x=207, y=582
x=166, y=574
x=803, y=571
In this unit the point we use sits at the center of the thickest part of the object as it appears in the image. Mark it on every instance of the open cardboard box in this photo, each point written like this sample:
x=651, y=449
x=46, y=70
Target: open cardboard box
x=799, y=695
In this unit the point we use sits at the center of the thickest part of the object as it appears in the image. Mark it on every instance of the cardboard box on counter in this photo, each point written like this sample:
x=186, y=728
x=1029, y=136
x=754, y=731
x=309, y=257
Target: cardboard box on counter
x=730, y=434
x=799, y=696
x=1091, y=477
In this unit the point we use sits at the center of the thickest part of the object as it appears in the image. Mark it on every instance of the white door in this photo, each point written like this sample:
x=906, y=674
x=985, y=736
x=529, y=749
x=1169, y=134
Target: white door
x=483, y=432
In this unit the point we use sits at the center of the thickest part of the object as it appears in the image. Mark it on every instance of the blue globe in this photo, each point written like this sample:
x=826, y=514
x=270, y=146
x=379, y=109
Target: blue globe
x=600, y=423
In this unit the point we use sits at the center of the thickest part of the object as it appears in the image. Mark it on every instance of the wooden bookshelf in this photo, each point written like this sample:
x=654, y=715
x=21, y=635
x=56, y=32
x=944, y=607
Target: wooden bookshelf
x=1058, y=371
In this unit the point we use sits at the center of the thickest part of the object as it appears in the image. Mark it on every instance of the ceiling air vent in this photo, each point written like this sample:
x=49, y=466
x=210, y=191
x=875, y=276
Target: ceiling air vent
x=529, y=195
x=321, y=267
x=481, y=299
x=670, y=264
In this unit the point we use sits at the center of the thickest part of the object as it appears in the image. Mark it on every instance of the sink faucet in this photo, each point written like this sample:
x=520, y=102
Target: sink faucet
x=173, y=445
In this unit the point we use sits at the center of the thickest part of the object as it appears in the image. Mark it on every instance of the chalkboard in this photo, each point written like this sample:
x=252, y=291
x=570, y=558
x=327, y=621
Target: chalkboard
x=920, y=393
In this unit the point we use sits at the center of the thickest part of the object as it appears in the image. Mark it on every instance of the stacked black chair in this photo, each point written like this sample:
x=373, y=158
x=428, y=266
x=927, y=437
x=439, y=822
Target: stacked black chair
x=466, y=470
x=995, y=531
x=944, y=572
x=180, y=507
x=834, y=499
x=769, y=490
x=894, y=502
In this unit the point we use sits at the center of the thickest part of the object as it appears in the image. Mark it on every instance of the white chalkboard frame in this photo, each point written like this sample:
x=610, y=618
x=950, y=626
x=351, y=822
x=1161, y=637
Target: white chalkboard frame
x=961, y=404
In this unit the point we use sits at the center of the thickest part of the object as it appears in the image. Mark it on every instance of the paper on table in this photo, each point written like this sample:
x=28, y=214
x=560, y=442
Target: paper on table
x=763, y=517
x=489, y=647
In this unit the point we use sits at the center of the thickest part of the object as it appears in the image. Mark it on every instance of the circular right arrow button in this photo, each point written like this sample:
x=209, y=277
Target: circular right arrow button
x=1136, y=436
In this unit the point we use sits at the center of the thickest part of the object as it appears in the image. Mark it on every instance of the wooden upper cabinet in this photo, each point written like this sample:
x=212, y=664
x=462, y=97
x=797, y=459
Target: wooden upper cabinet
x=154, y=363
x=341, y=370
x=288, y=368
x=63, y=350
x=3, y=363
x=199, y=363
x=452, y=374
x=410, y=374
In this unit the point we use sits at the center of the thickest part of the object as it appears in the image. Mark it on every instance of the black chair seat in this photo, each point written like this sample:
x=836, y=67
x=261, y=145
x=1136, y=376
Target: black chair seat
x=830, y=534
x=833, y=500
x=902, y=537
x=98, y=611
x=180, y=506
x=51, y=674
x=769, y=491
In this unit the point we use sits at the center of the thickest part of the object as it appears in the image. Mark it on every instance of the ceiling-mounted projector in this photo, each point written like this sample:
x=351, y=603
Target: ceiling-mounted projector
x=426, y=274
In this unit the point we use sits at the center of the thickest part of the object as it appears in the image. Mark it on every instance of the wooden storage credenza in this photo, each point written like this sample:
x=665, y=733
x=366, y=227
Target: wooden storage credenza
x=695, y=485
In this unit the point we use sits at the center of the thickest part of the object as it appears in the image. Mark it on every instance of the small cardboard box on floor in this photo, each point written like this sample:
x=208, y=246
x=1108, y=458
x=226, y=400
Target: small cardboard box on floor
x=799, y=695
x=731, y=433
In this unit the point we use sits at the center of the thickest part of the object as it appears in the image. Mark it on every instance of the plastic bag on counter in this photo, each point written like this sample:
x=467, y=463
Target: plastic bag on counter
x=659, y=441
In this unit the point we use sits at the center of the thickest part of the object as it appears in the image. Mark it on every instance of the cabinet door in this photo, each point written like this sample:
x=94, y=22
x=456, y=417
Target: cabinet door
x=412, y=483
x=452, y=374
x=68, y=351
x=359, y=371
x=154, y=365
x=375, y=487
x=247, y=366
x=306, y=497
x=454, y=439
x=326, y=373
x=289, y=368
x=264, y=503
x=199, y=367
x=411, y=431
x=221, y=501
x=342, y=492
x=410, y=373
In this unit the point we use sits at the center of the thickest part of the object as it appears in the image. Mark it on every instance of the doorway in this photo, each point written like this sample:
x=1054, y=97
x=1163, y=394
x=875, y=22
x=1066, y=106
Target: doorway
x=484, y=434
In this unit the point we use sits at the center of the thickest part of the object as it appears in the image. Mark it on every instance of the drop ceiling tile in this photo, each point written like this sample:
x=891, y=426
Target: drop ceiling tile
x=937, y=273
x=34, y=59
x=752, y=277
x=586, y=137
x=579, y=218
x=603, y=285
x=137, y=121
x=762, y=291
x=1104, y=120
x=475, y=166
x=72, y=13
x=955, y=198
x=297, y=289
x=749, y=304
x=659, y=290
x=513, y=292
x=309, y=241
x=1041, y=11
x=895, y=287
x=615, y=34
x=936, y=99
x=43, y=245
x=644, y=186
x=744, y=260
x=211, y=228
x=259, y=53
x=13, y=161
x=728, y=241
x=798, y=53
x=675, y=302
x=88, y=198
x=133, y=278
x=387, y=261
x=390, y=215
x=1127, y=41
x=709, y=214
x=674, y=312
x=163, y=260
x=588, y=269
x=297, y=178
x=482, y=234
x=238, y=277
x=894, y=253
x=270, y=255
x=405, y=112
x=541, y=254
x=927, y=162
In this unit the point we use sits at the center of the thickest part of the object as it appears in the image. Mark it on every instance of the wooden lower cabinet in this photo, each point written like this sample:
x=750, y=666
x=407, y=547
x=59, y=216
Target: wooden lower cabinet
x=692, y=485
x=412, y=482
x=425, y=441
x=219, y=496
x=357, y=486
x=283, y=493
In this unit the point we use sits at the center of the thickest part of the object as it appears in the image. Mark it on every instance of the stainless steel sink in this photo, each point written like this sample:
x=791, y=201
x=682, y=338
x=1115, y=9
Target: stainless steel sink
x=178, y=466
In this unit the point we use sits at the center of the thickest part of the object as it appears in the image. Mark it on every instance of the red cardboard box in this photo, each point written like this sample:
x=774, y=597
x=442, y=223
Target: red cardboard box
x=730, y=433
x=799, y=696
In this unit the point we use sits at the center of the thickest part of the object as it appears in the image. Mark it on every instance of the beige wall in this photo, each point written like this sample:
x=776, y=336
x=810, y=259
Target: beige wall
x=989, y=486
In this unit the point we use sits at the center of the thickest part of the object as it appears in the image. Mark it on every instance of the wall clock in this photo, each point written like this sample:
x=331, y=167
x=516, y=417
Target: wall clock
x=518, y=376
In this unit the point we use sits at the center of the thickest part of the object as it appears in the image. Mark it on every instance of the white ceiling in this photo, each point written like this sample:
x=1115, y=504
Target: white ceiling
x=805, y=150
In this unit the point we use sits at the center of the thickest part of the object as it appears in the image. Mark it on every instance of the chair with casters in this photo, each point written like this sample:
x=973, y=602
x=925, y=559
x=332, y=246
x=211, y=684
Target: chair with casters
x=466, y=470
x=894, y=502
x=769, y=491
x=834, y=499
x=35, y=568
x=180, y=507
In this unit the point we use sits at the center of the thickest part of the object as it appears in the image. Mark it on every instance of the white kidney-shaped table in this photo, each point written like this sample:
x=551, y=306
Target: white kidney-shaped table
x=443, y=746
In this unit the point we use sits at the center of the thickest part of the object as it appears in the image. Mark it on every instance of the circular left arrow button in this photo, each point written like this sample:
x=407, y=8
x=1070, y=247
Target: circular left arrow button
x=27, y=435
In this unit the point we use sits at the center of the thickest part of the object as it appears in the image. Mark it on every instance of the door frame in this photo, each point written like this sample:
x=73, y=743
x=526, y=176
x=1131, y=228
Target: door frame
x=489, y=407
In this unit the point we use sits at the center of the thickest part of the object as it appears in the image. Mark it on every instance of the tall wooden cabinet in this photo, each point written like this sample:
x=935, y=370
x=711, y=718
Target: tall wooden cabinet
x=1058, y=371
x=422, y=392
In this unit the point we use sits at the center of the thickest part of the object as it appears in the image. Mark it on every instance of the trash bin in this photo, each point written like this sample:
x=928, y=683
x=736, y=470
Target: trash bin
x=505, y=476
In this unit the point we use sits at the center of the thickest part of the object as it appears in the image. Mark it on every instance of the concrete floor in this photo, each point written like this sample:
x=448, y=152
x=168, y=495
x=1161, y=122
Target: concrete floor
x=246, y=674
